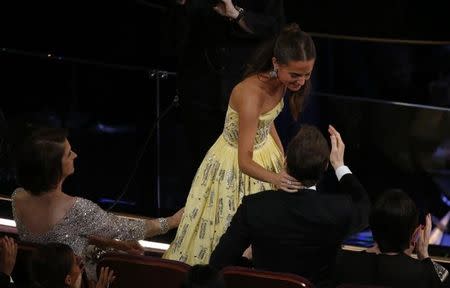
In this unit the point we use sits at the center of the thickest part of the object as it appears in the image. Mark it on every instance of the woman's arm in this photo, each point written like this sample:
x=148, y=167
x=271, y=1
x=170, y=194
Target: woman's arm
x=98, y=222
x=274, y=134
x=129, y=246
x=267, y=21
x=249, y=109
x=163, y=225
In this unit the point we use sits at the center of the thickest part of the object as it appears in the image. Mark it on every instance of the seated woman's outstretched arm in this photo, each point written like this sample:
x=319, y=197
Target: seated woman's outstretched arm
x=95, y=221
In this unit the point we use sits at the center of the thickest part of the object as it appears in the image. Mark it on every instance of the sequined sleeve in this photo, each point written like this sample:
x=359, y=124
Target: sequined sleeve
x=98, y=222
x=441, y=271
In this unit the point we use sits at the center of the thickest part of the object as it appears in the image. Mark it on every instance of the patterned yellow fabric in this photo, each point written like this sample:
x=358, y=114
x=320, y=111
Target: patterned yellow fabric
x=218, y=188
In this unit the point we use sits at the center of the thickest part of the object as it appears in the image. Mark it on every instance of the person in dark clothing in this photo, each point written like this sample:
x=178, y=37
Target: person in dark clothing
x=203, y=276
x=395, y=228
x=299, y=232
x=215, y=40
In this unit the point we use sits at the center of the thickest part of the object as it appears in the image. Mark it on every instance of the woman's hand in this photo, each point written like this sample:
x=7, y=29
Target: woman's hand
x=424, y=239
x=286, y=182
x=337, y=148
x=248, y=253
x=132, y=247
x=175, y=219
x=106, y=278
x=373, y=249
x=8, y=253
x=226, y=8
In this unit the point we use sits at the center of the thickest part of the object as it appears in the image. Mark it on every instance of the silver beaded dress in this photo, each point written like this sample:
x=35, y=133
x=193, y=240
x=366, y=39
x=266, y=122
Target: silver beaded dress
x=83, y=219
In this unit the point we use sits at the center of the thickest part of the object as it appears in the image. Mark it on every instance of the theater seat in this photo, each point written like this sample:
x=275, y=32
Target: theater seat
x=144, y=271
x=358, y=286
x=240, y=277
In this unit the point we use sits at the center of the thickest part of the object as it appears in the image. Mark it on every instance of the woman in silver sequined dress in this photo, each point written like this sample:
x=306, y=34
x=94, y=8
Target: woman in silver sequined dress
x=44, y=213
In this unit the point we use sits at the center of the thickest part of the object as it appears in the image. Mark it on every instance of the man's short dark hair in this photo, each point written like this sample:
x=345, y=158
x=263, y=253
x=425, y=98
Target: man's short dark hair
x=38, y=160
x=308, y=155
x=393, y=219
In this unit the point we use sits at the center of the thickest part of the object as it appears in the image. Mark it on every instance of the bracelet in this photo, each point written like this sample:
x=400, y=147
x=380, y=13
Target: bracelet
x=241, y=14
x=164, y=225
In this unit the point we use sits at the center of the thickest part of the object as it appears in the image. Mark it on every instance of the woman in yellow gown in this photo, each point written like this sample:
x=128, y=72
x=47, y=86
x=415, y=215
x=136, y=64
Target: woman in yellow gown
x=248, y=157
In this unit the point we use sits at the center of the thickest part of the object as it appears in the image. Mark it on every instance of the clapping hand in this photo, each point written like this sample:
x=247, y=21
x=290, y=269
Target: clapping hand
x=106, y=278
x=424, y=239
x=8, y=253
x=337, y=148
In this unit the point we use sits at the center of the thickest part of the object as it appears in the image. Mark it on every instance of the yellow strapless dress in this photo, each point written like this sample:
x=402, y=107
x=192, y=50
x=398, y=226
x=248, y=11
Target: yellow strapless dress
x=218, y=188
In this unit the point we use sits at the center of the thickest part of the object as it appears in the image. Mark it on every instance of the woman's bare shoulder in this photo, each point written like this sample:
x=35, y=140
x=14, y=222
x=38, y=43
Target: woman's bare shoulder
x=20, y=195
x=247, y=90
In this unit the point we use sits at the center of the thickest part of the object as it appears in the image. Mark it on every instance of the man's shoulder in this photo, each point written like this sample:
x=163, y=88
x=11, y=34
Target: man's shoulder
x=267, y=195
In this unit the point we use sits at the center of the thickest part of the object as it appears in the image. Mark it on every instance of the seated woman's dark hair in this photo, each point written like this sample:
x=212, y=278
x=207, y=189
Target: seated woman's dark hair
x=38, y=165
x=203, y=276
x=393, y=219
x=50, y=265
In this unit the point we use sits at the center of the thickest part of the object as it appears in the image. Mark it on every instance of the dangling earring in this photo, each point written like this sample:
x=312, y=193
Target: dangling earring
x=273, y=73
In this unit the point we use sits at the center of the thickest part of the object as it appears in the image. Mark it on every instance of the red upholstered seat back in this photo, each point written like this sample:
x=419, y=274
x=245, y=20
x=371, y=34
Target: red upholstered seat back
x=144, y=271
x=250, y=278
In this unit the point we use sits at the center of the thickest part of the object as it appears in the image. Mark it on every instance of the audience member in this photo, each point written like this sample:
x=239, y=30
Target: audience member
x=395, y=228
x=55, y=265
x=8, y=253
x=44, y=213
x=299, y=232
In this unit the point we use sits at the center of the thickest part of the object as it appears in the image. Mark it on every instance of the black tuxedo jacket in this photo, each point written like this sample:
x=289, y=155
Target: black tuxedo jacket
x=295, y=232
x=383, y=270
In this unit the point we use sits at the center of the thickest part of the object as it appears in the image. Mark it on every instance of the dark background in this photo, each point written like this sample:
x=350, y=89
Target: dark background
x=86, y=65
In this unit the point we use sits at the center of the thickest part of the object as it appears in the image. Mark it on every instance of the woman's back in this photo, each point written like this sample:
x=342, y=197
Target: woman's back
x=39, y=214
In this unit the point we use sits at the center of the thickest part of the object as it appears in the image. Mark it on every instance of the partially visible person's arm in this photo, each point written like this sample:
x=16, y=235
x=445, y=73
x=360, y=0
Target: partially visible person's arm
x=234, y=242
x=421, y=248
x=129, y=246
x=8, y=253
x=98, y=222
x=256, y=24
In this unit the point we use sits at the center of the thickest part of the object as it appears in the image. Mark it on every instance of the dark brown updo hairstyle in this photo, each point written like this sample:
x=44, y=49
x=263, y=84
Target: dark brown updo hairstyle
x=38, y=163
x=291, y=44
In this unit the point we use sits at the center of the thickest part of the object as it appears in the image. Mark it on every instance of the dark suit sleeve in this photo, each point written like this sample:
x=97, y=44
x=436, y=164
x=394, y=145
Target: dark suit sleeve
x=234, y=242
x=4, y=280
x=263, y=23
x=360, y=204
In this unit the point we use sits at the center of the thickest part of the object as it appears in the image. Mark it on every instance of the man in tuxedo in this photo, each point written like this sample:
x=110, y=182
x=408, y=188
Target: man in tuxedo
x=299, y=232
